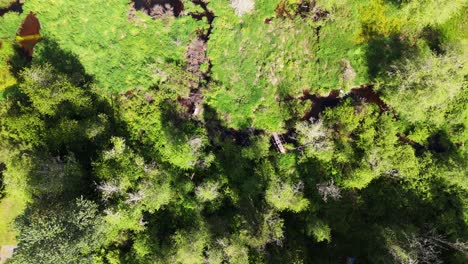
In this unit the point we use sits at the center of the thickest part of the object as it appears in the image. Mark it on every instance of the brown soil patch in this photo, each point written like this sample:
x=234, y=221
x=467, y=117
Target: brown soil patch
x=196, y=56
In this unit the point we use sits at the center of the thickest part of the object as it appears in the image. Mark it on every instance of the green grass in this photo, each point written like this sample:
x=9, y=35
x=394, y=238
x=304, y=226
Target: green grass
x=10, y=23
x=119, y=53
x=11, y=206
x=6, y=78
x=253, y=62
x=5, y=3
x=13, y=203
x=455, y=30
x=256, y=64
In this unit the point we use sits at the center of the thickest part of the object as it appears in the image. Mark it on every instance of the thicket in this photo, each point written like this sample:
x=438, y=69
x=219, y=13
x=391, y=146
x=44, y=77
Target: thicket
x=142, y=136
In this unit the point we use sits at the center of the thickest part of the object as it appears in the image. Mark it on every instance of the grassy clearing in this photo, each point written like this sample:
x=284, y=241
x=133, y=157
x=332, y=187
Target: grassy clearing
x=11, y=206
x=14, y=201
x=10, y=23
x=259, y=59
x=5, y=3
x=118, y=50
x=262, y=57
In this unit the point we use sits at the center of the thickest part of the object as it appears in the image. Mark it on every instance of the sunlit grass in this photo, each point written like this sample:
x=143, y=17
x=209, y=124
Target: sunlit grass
x=10, y=207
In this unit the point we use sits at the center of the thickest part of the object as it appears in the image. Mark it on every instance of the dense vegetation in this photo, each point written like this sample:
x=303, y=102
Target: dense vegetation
x=141, y=132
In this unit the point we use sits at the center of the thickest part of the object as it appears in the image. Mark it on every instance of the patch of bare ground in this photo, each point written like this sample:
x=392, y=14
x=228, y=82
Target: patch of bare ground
x=6, y=252
x=242, y=7
x=195, y=56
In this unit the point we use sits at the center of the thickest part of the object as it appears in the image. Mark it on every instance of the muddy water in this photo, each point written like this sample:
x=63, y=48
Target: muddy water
x=361, y=93
x=320, y=103
x=367, y=93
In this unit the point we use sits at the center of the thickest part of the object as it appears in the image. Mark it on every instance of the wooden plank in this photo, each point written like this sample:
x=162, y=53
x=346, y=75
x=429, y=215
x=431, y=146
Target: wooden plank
x=278, y=143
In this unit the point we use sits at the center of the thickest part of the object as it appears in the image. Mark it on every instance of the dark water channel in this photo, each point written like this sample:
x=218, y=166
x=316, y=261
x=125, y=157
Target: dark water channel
x=361, y=93
x=15, y=6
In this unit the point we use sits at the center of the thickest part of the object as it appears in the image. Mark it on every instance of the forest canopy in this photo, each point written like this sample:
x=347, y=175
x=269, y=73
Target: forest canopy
x=234, y=131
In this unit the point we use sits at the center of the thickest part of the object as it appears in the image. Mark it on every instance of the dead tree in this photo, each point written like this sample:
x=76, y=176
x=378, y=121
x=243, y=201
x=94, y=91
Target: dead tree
x=329, y=190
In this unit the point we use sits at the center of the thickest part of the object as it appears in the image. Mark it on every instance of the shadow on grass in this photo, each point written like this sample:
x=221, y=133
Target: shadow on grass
x=14, y=6
x=397, y=3
x=358, y=219
x=66, y=131
x=49, y=52
x=434, y=38
x=65, y=62
x=18, y=61
x=382, y=52
x=12, y=90
x=2, y=185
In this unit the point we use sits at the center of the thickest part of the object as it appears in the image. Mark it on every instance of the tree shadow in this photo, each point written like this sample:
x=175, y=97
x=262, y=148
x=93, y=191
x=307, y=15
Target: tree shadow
x=49, y=52
x=397, y=3
x=440, y=142
x=65, y=62
x=226, y=146
x=174, y=122
x=358, y=218
x=68, y=130
x=12, y=90
x=445, y=152
x=434, y=38
x=382, y=52
x=18, y=61
x=15, y=6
